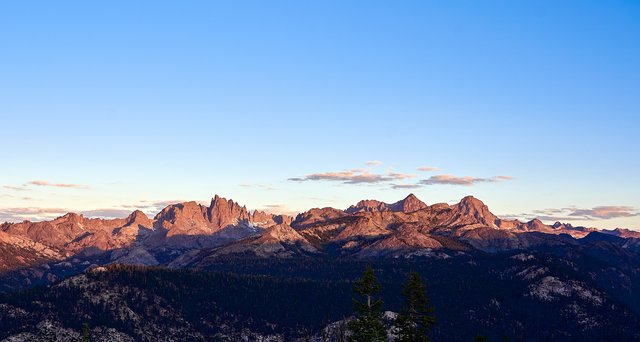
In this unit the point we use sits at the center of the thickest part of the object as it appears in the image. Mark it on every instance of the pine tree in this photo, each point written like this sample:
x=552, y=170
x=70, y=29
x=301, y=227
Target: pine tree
x=86, y=333
x=367, y=326
x=415, y=320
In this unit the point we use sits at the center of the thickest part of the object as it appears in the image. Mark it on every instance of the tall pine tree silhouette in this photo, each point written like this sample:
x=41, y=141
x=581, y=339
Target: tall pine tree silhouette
x=415, y=320
x=367, y=326
x=86, y=333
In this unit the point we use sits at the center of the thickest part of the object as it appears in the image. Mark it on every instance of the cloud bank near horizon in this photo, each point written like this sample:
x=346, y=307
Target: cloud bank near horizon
x=568, y=214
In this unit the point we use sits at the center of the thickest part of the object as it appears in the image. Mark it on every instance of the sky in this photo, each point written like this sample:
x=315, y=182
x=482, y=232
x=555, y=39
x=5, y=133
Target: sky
x=532, y=107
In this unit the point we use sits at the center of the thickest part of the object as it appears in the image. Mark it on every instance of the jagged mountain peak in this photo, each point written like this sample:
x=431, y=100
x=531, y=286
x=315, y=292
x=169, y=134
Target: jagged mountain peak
x=138, y=217
x=221, y=203
x=471, y=210
x=368, y=205
x=471, y=205
x=217, y=200
x=560, y=225
x=474, y=206
x=472, y=201
x=536, y=224
x=223, y=212
x=412, y=198
x=224, y=217
x=70, y=217
x=171, y=209
x=408, y=204
x=137, y=214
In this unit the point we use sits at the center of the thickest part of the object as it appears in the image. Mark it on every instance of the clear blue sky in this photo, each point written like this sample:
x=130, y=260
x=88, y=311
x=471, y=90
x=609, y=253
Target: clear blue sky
x=173, y=100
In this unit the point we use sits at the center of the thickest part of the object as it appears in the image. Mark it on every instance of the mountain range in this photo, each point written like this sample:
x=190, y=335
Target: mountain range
x=182, y=231
x=505, y=274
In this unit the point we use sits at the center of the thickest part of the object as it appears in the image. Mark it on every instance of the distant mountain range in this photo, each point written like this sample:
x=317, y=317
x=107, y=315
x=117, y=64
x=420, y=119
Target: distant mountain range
x=527, y=280
x=185, y=232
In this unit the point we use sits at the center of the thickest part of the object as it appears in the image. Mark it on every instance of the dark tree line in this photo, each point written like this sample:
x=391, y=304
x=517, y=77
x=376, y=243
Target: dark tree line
x=300, y=297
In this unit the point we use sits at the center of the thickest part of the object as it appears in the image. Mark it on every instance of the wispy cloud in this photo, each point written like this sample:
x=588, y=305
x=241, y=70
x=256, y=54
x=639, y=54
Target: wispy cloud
x=41, y=214
x=395, y=180
x=24, y=198
x=154, y=206
x=373, y=163
x=399, y=176
x=107, y=213
x=405, y=186
x=315, y=198
x=356, y=176
x=606, y=212
x=552, y=211
x=149, y=207
x=57, y=185
x=568, y=214
x=503, y=178
x=279, y=209
x=17, y=187
x=466, y=180
x=30, y=213
x=258, y=186
x=428, y=168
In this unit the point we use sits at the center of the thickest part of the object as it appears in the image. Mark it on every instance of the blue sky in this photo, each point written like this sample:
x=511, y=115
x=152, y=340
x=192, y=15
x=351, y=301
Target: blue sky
x=140, y=103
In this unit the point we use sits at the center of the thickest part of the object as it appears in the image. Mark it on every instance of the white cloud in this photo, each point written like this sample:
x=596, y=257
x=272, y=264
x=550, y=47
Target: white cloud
x=606, y=212
x=373, y=163
x=428, y=168
x=466, y=180
x=30, y=213
x=405, y=186
x=58, y=185
x=583, y=214
x=356, y=176
x=17, y=188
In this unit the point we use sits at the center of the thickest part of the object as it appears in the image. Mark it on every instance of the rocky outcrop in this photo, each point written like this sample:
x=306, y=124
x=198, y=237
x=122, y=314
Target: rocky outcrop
x=19, y=252
x=188, y=218
x=63, y=231
x=317, y=216
x=407, y=238
x=280, y=241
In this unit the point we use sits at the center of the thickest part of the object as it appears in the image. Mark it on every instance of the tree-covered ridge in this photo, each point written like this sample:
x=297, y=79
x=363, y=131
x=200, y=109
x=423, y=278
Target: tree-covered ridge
x=509, y=295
